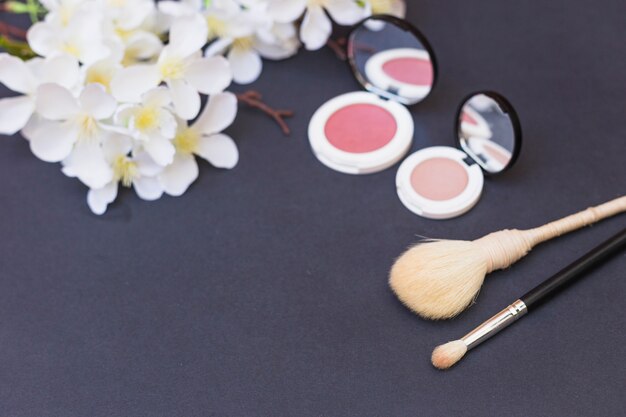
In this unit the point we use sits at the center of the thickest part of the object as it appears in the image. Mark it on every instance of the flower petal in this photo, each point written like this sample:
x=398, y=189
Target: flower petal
x=161, y=150
x=42, y=38
x=157, y=97
x=146, y=165
x=54, y=142
x=95, y=101
x=345, y=12
x=218, y=114
x=220, y=150
x=315, y=29
x=88, y=164
x=143, y=45
x=116, y=144
x=286, y=10
x=131, y=82
x=55, y=102
x=99, y=199
x=61, y=69
x=15, y=74
x=179, y=175
x=188, y=35
x=148, y=188
x=245, y=64
x=185, y=98
x=209, y=75
x=218, y=46
x=15, y=113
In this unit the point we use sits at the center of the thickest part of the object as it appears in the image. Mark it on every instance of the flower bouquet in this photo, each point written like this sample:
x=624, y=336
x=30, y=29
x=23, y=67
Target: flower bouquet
x=112, y=89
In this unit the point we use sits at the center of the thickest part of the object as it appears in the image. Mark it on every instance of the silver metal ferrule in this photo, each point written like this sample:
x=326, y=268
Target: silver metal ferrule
x=492, y=326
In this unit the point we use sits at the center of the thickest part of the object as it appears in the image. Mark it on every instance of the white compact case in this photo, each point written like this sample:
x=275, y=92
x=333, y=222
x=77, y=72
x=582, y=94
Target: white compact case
x=442, y=182
x=368, y=131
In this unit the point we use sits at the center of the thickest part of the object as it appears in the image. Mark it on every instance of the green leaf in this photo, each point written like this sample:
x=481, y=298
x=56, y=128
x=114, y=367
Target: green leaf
x=17, y=48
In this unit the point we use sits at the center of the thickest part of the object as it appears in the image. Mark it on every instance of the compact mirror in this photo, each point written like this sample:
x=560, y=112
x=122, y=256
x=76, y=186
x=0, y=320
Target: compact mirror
x=488, y=131
x=392, y=59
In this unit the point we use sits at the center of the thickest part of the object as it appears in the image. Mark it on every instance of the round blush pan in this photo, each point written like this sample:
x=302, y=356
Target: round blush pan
x=360, y=133
x=438, y=183
x=439, y=179
x=360, y=128
x=406, y=72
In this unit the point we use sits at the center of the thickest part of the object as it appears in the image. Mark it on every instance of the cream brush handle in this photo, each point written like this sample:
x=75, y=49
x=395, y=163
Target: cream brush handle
x=506, y=247
x=577, y=221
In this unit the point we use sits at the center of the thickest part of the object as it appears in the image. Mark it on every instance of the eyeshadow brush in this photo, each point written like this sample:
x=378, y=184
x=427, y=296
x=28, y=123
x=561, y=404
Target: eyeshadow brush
x=438, y=279
x=448, y=354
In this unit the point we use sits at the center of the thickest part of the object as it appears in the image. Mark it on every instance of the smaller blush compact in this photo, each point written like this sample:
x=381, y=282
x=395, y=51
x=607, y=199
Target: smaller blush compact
x=442, y=182
x=363, y=132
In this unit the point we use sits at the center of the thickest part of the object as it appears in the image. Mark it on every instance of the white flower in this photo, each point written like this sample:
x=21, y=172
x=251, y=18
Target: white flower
x=82, y=37
x=101, y=72
x=25, y=77
x=248, y=35
x=203, y=139
x=181, y=66
x=151, y=124
x=73, y=129
x=137, y=171
x=316, y=26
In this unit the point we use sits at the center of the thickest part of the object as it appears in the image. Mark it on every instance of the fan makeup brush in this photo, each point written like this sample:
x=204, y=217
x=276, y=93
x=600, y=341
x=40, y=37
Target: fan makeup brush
x=441, y=278
x=446, y=355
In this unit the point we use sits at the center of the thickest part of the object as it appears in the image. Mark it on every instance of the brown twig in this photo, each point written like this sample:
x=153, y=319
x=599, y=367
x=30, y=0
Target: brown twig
x=254, y=99
x=10, y=30
x=339, y=47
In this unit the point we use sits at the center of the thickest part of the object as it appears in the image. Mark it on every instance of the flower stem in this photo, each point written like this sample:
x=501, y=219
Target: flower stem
x=253, y=99
x=339, y=47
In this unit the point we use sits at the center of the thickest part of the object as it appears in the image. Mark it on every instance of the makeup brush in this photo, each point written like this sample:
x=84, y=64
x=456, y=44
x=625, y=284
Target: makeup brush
x=441, y=278
x=446, y=355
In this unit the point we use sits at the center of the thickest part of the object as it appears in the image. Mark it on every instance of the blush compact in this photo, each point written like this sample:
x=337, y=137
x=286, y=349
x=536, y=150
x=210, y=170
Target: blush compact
x=368, y=131
x=442, y=182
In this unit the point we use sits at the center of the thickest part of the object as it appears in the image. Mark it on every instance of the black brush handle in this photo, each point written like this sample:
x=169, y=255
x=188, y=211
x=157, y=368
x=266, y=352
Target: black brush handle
x=575, y=270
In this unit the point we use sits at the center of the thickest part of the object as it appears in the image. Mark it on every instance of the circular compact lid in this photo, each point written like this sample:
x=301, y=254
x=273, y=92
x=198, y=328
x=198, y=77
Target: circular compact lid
x=392, y=59
x=437, y=183
x=489, y=131
x=360, y=133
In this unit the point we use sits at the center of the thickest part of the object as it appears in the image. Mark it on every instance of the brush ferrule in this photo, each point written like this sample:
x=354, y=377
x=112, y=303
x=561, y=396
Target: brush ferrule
x=492, y=326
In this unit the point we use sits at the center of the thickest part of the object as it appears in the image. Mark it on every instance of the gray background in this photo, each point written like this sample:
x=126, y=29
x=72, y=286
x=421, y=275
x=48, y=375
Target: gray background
x=262, y=291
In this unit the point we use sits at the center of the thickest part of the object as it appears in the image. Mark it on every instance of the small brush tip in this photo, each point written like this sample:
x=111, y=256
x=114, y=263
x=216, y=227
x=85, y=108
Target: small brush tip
x=448, y=354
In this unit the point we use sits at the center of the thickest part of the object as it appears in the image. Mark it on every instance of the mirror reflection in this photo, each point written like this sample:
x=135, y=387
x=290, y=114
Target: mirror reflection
x=389, y=59
x=487, y=132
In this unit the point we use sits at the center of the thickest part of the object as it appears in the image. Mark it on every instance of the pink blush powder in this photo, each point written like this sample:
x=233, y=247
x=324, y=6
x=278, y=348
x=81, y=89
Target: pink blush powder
x=439, y=179
x=468, y=119
x=360, y=128
x=410, y=70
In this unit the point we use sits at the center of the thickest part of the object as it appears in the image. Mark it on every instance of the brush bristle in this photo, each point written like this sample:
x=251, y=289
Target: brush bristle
x=439, y=279
x=446, y=355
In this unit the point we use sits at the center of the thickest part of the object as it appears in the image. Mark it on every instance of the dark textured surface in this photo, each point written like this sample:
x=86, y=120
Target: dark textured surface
x=262, y=291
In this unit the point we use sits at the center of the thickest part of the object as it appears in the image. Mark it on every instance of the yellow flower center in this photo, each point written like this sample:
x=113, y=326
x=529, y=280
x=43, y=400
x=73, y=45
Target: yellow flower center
x=124, y=170
x=71, y=49
x=98, y=76
x=186, y=141
x=88, y=127
x=381, y=6
x=172, y=68
x=146, y=118
x=244, y=43
x=117, y=3
x=123, y=34
x=217, y=27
